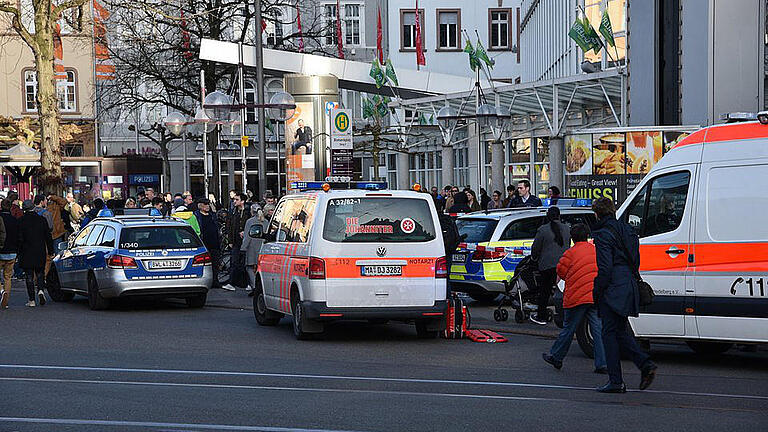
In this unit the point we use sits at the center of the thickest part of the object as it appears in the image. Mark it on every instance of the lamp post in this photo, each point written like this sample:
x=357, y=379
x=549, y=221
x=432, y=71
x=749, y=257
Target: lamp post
x=176, y=123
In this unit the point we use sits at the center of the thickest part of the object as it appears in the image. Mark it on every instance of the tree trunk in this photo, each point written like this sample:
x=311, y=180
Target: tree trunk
x=50, y=176
x=166, y=164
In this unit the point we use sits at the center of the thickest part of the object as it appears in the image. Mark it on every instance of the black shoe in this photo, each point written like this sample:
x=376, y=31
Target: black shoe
x=552, y=360
x=647, y=374
x=250, y=293
x=612, y=388
x=534, y=317
x=601, y=370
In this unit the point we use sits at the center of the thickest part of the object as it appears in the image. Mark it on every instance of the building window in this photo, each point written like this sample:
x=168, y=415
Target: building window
x=30, y=90
x=274, y=29
x=449, y=26
x=499, y=28
x=66, y=91
x=617, y=13
x=392, y=170
x=408, y=29
x=250, y=98
x=425, y=168
x=352, y=24
x=461, y=167
x=330, y=24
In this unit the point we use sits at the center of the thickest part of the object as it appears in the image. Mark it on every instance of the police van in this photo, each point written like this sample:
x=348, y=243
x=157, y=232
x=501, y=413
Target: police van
x=701, y=217
x=351, y=251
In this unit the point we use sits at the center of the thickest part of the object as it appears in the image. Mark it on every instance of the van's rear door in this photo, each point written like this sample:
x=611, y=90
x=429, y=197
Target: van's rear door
x=380, y=251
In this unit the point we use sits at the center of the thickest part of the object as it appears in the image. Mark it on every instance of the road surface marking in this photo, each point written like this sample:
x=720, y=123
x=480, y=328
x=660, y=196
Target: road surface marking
x=192, y=426
x=361, y=378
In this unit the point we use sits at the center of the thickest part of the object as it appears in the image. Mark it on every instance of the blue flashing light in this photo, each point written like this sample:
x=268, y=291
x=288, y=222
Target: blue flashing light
x=318, y=185
x=567, y=202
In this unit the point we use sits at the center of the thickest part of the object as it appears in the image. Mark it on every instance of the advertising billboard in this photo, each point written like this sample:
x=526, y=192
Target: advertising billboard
x=300, y=143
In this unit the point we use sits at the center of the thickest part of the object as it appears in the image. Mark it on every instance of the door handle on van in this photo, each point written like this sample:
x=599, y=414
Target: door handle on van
x=673, y=250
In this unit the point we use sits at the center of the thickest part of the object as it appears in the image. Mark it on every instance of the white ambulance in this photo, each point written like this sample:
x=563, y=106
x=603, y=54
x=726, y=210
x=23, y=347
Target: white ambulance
x=702, y=217
x=357, y=253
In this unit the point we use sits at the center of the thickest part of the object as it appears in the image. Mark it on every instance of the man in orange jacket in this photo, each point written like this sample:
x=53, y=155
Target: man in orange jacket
x=578, y=268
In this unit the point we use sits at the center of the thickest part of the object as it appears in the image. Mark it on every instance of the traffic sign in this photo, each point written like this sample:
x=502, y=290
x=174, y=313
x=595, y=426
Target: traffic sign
x=341, y=129
x=244, y=141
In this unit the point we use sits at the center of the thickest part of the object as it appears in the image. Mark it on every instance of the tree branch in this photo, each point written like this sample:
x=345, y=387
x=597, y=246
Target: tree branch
x=16, y=23
x=61, y=7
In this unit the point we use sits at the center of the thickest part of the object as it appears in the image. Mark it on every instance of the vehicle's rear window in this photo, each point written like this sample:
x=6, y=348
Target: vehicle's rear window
x=178, y=237
x=394, y=220
x=477, y=230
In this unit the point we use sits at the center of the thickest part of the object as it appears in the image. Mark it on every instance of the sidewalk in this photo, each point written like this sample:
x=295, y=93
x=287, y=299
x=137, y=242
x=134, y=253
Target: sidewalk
x=482, y=315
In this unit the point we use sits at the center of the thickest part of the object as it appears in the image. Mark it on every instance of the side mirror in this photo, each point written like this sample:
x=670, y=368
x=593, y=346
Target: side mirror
x=63, y=246
x=256, y=231
x=269, y=237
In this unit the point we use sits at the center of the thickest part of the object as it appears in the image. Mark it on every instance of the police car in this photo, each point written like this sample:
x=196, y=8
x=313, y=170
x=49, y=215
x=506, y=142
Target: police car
x=497, y=240
x=351, y=251
x=127, y=256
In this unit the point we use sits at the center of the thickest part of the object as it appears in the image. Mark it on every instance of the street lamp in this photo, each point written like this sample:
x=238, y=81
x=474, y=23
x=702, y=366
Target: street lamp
x=176, y=122
x=448, y=117
x=485, y=113
x=218, y=106
x=500, y=122
x=282, y=106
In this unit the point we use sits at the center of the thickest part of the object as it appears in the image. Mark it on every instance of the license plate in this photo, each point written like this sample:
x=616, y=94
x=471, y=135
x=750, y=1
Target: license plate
x=459, y=258
x=164, y=264
x=382, y=270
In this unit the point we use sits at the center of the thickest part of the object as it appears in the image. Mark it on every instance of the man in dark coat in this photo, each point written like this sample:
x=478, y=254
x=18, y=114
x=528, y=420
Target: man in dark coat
x=35, y=246
x=209, y=234
x=8, y=251
x=616, y=295
x=524, y=197
x=235, y=233
x=302, y=138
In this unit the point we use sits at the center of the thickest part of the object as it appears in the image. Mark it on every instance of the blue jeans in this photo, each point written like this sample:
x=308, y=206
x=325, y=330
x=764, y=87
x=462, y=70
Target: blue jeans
x=618, y=338
x=571, y=321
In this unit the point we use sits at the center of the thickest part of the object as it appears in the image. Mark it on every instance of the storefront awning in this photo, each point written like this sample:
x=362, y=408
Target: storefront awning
x=547, y=104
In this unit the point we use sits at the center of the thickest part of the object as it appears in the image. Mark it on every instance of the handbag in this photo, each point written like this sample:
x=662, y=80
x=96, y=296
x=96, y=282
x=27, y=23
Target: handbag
x=644, y=289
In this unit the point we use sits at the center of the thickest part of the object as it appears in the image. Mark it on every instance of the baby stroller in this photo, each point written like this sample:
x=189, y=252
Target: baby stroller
x=522, y=291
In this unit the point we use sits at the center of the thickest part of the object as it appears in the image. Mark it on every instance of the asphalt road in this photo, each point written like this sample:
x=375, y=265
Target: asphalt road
x=160, y=366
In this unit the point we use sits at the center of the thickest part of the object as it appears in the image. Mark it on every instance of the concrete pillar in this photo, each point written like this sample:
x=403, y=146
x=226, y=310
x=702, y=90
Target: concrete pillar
x=556, y=162
x=403, y=177
x=497, y=166
x=447, y=169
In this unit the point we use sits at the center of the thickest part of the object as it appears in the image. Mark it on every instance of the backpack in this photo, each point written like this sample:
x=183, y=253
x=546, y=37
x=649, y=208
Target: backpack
x=456, y=319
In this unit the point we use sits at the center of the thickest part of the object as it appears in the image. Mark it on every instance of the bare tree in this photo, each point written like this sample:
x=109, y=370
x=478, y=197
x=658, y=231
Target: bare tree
x=41, y=41
x=155, y=47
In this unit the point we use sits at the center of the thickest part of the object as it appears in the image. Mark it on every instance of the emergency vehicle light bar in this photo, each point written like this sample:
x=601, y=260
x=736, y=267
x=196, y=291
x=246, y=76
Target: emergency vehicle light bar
x=567, y=202
x=317, y=185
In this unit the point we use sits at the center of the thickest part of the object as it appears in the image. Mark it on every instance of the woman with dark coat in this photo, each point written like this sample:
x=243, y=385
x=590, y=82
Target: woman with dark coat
x=35, y=245
x=460, y=204
x=616, y=295
x=551, y=241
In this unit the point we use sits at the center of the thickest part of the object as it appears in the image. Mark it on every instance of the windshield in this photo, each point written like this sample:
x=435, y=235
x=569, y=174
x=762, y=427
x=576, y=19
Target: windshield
x=393, y=220
x=171, y=237
x=477, y=230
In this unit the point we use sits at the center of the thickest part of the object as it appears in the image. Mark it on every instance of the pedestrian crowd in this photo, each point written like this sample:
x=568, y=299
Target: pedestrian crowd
x=31, y=231
x=454, y=200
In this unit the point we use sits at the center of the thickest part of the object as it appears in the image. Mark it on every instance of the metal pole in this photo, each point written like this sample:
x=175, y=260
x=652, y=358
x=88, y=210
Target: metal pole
x=205, y=136
x=480, y=149
x=260, y=100
x=184, y=155
x=279, y=189
x=241, y=84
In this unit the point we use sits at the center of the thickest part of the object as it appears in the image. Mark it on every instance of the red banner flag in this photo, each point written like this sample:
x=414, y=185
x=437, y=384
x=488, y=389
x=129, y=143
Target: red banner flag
x=420, y=59
x=59, y=72
x=301, y=31
x=186, y=40
x=338, y=30
x=379, y=38
x=105, y=67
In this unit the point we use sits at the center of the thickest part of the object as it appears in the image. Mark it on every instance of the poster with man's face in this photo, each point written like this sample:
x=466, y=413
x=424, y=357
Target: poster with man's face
x=300, y=135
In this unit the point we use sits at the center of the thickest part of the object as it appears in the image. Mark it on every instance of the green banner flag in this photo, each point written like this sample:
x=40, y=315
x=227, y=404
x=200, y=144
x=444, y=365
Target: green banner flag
x=606, y=29
x=376, y=73
x=269, y=125
x=367, y=108
x=473, y=62
x=482, y=55
x=592, y=38
x=422, y=120
x=390, y=72
x=579, y=35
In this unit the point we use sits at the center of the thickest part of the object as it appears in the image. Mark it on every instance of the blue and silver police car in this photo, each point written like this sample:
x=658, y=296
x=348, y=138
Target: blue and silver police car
x=128, y=256
x=498, y=240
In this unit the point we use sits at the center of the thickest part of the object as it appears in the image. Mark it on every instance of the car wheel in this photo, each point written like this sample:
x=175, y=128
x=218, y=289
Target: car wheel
x=709, y=348
x=95, y=300
x=54, y=288
x=263, y=315
x=423, y=332
x=298, y=317
x=585, y=340
x=197, y=301
x=484, y=297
